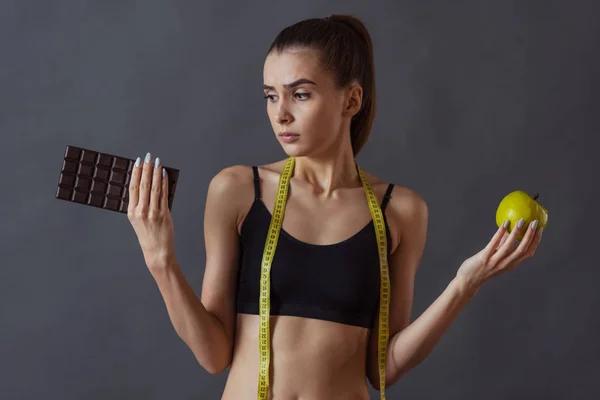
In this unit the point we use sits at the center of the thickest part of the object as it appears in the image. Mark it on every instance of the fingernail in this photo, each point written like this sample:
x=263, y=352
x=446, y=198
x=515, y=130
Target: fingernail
x=138, y=161
x=147, y=158
x=534, y=224
x=520, y=223
x=156, y=162
x=164, y=172
x=540, y=231
x=505, y=225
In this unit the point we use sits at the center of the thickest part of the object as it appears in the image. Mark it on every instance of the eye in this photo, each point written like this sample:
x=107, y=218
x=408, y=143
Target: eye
x=303, y=96
x=270, y=97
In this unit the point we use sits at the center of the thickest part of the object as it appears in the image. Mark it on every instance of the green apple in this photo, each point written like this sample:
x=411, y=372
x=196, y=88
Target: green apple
x=517, y=205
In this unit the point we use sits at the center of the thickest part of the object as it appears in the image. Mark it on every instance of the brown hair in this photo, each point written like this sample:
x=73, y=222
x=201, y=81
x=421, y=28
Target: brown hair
x=346, y=51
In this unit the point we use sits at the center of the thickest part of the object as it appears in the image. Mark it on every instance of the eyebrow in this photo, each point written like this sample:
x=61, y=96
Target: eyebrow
x=292, y=84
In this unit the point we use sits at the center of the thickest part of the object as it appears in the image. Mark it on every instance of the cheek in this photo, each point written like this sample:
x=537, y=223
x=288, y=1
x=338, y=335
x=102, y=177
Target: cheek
x=323, y=115
x=271, y=113
x=330, y=121
x=322, y=125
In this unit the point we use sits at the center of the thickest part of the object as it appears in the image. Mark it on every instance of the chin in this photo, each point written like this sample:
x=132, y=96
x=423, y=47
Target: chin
x=295, y=150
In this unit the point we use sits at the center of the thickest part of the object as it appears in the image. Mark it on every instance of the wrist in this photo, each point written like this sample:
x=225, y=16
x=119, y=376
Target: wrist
x=165, y=265
x=465, y=289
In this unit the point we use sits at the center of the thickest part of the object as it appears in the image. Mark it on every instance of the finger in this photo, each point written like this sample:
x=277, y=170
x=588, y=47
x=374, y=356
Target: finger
x=134, y=185
x=504, y=237
x=509, y=243
x=164, y=198
x=146, y=183
x=520, y=253
x=495, y=241
x=156, y=187
x=534, y=243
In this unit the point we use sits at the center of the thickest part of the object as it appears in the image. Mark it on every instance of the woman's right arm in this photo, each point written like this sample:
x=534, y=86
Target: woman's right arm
x=206, y=325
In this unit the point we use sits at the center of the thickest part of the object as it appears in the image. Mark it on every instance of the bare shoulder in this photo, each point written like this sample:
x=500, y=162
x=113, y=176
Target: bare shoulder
x=229, y=178
x=272, y=170
x=406, y=210
x=233, y=186
x=402, y=199
x=407, y=201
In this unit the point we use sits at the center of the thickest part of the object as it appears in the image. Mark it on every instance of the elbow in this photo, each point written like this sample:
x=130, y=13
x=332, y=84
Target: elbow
x=389, y=380
x=374, y=381
x=216, y=366
x=213, y=361
x=216, y=369
x=216, y=363
x=375, y=384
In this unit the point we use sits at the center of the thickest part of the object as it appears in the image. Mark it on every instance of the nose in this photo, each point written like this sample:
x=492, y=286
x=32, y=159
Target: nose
x=283, y=116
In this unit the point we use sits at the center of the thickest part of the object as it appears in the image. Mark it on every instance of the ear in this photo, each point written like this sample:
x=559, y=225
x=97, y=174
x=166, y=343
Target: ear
x=353, y=101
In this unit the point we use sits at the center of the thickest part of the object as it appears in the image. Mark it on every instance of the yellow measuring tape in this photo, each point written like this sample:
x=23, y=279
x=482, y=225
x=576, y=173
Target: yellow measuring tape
x=265, y=282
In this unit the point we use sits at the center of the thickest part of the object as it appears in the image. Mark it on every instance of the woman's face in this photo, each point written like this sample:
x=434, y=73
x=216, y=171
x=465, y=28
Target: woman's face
x=303, y=103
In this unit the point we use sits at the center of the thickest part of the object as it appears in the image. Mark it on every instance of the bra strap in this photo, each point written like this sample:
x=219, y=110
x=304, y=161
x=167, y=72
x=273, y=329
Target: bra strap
x=256, y=182
x=386, y=198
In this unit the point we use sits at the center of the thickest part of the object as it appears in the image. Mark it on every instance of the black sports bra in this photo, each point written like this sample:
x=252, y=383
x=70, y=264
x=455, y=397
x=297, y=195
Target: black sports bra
x=337, y=282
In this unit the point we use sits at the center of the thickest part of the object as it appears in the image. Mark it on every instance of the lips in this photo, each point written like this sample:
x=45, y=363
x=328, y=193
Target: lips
x=289, y=137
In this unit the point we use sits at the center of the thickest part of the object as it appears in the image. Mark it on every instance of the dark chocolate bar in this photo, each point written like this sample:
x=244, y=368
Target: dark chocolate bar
x=100, y=179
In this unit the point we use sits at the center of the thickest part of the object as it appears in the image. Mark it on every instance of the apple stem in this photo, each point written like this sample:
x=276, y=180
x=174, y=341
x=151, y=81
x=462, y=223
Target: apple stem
x=536, y=196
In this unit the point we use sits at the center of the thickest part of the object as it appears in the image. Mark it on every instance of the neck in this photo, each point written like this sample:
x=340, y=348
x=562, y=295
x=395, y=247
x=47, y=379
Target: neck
x=331, y=170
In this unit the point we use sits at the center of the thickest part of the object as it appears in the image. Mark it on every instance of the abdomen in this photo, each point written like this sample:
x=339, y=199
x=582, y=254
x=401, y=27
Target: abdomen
x=310, y=359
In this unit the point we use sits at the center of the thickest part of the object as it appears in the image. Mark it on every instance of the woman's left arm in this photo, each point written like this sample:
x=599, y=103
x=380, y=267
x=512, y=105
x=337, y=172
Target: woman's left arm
x=410, y=343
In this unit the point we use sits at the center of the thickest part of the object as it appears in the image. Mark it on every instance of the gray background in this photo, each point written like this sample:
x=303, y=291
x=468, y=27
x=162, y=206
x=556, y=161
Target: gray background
x=476, y=99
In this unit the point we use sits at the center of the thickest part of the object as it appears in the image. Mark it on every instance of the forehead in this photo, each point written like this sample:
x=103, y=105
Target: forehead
x=292, y=64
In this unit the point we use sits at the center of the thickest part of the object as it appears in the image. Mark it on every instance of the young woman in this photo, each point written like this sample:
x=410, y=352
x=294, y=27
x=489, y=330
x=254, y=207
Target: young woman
x=319, y=87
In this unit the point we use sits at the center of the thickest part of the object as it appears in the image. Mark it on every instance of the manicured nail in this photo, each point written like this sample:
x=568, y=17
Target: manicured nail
x=505, y=225
x=156, y=162
x=164, y=172
x=540, y=231
x=534, y=224
x=148, y=156
x=138, y=161
x=520, y=223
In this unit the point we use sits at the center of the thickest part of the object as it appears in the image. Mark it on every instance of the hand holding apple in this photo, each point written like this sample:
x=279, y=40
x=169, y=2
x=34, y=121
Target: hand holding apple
x=527, y=219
